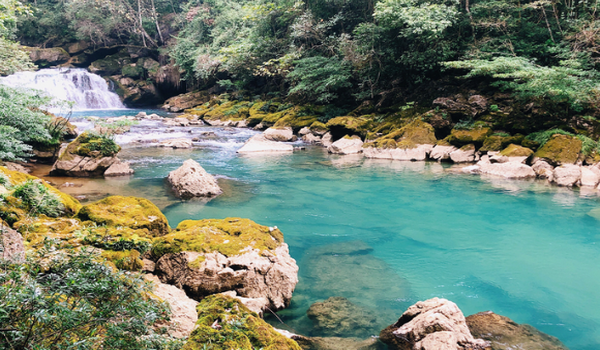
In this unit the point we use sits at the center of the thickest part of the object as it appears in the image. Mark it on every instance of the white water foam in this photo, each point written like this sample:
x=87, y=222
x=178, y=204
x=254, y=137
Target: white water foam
x=86, y=90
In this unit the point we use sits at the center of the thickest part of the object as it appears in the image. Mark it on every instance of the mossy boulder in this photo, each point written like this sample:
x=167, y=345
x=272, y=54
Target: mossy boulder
x=36, y=230
x=71, y=205
x=415, y=132
x=133, y=71
x=230, y=237
x=186, y=101
x=88, y=155
x=560, y=149
x=296, y=122
x=461, y=137
x=318, y=128
x=132, y=212
x=340, y=126
x=516, y=151
x=110, y=65
x=225, y=323
x=499, y=142
x=230, y=110
x=124, y=260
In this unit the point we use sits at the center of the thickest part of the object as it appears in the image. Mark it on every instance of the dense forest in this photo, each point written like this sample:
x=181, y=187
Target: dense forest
x=338, y=51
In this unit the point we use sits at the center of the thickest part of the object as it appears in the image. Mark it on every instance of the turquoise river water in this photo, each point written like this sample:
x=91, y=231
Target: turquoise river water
x=385, y=234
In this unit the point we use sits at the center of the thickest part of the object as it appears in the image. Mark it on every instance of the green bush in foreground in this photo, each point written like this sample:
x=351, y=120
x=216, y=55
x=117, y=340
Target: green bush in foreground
x=73, y=300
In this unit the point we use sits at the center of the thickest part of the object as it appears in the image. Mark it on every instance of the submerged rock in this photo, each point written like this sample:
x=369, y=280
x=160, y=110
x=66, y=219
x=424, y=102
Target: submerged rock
x=334, y=343
x=346, y=145
x=434, y=324
x=505, y=334
x=225, y=323
x=258, y=143
x=213, y=256
x=337, y=316
x=191, y=180
x=280, y=134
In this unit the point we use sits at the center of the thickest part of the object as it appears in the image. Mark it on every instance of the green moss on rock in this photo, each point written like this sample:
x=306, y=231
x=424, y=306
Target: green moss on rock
x=560, y=149
x=230, y=236
x=516, y=151
x=36, y=230
x=224, y=323
x=460, y=137
x=318, y=127
x=296, y=122
x=124, y=260
x=417, y=132
x=132, y=212
x=90, y=145
x=71, y=205
x=499, y=142
x=348, y=125
x=133, y=71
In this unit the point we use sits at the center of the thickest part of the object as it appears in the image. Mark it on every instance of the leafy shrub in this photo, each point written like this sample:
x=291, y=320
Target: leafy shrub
x=73, y=300
x=319, y=78
x=494, y=108
x=102, y=143
x=37, y=199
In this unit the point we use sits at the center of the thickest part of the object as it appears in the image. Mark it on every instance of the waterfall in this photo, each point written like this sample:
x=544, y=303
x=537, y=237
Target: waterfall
x=87, y=90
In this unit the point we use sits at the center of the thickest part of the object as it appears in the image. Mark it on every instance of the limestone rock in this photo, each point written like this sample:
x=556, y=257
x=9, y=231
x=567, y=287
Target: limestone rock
x=213, y=256
x=304, y=131
x=279, y=134
x=119, y=168
x=590, y=176
x=176, y=143
x=420, y=152
x=461, y=137
x=311, y=138
x=86, y=156
x=176, y=122
x=11, y=243
x=258, y=143
x=338, y=316
x=191, y=180
x=77, y=47
x=543, y=170
x=346, y=145
x=185, y=101
x=510, y=170
x=183, y=309
x=327, y=139
x=257, y=305
x=441, y=152
x=465, y=154
x=567, y=175
x=16, y=167
x=48, y=57
x=419, y=326
x=504, y=334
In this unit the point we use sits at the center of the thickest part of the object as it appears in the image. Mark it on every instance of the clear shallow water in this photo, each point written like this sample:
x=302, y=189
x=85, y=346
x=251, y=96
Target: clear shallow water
x=521, y=249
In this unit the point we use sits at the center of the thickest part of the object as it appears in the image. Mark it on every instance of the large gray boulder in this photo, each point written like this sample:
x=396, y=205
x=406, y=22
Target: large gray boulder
x=434, y=324
x=420, y=152
x=191, y=180
x=87, y=156
x=508, y=169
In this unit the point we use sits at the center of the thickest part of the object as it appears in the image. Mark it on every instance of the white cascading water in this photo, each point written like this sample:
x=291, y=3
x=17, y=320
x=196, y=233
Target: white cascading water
x=87, y=90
